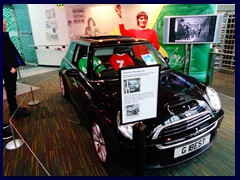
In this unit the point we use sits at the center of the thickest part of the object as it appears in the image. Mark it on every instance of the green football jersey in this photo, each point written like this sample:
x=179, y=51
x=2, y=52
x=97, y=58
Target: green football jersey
x=82, y=65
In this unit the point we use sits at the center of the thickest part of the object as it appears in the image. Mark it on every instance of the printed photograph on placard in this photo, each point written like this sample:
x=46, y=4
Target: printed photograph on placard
x=126, y=87
x=132, y=110
x=134, y=85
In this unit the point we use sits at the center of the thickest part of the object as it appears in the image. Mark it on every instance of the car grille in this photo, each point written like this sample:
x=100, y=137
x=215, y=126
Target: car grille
x=172, y=134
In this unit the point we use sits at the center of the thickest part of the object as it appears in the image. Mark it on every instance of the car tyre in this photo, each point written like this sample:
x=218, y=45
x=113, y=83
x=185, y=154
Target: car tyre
x=63, y=87
x=102, y=144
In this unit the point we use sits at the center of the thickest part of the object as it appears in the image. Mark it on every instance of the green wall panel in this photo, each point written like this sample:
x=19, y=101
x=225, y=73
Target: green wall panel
x=176, y=52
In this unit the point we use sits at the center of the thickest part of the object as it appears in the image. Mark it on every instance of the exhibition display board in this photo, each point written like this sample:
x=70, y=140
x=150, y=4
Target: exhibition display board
x=139, y=93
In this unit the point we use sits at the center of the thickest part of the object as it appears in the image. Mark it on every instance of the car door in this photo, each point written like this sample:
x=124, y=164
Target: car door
x=79, y=85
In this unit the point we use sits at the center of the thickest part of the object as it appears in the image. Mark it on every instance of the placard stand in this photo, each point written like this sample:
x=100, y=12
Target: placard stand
x=33, y=102
x=139, y=82
x=139, y=145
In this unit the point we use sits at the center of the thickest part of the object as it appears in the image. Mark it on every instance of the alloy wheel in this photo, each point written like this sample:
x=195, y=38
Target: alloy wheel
x=62, y=86
x=99, y=142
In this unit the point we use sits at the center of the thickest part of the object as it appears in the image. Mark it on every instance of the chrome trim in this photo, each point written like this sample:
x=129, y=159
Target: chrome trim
x=192, y=139
x=191, y=126
x=193, y=134
x=160, y=127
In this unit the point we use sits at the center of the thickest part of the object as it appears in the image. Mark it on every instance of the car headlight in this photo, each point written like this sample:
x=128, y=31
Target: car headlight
x=214, y=100
x=126, y=130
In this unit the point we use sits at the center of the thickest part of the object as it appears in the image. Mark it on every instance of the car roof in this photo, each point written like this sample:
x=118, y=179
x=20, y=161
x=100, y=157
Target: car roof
x=108, y=40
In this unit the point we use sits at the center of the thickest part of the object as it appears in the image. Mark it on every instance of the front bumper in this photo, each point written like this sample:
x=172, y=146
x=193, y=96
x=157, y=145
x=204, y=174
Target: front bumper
x=161, y=158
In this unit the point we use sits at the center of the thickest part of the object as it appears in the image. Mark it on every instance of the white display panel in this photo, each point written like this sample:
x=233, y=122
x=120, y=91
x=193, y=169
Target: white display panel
x=139, y=93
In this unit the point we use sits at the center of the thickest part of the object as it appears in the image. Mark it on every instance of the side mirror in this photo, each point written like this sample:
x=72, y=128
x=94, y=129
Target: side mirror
x=72, y=72
x=166, y=59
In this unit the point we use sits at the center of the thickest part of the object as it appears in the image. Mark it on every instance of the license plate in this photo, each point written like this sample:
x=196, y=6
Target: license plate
x=191, y=146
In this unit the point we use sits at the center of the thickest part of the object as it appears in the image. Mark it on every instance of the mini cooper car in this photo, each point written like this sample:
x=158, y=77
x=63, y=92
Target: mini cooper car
x=190, y=112
x=134, y=85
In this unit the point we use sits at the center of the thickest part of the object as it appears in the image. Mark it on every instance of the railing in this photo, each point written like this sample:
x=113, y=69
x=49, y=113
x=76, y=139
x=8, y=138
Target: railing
x=224, y=61
x=47, y=46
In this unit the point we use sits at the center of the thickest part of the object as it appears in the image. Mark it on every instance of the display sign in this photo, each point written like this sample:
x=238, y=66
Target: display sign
x=193, y=29
x=139, y=93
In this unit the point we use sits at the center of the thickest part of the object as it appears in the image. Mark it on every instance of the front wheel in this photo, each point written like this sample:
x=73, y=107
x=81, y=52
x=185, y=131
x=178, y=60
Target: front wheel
x=63, y=87
x=101, y=144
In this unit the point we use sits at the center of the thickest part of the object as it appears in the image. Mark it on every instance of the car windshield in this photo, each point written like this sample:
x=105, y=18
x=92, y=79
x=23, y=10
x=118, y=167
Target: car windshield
x=108, y=59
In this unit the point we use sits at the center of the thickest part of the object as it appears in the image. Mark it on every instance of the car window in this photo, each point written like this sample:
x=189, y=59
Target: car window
x=103, y=52
x=70, y=51
x=121, y=58
x=110, y=58
x=144, y=53
x=81, y=57
x=101, y=59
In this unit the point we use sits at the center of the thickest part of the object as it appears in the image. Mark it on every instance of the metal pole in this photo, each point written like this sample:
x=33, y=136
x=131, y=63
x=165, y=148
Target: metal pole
x=190, y=58
x=33, y=102
x=19, y=74
x=139, y=143
x=15, y=143
x=186, y=58
x=32, y=93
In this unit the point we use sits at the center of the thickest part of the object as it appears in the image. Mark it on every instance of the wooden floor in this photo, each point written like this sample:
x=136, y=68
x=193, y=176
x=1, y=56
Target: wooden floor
x=57, y=145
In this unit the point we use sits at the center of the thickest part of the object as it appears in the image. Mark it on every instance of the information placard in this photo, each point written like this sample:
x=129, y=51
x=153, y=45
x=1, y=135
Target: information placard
x=139, y=93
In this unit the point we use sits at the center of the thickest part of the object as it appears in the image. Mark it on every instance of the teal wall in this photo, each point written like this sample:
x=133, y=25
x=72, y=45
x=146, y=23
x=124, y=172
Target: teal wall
x=11, y=26
x=18, y=21
x=25, y=30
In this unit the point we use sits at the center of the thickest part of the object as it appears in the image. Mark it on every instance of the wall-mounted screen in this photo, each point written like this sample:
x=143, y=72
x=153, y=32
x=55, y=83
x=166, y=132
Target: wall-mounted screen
x=195, y=29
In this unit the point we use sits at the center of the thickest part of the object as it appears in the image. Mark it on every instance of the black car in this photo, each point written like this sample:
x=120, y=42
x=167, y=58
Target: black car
x=190, y=112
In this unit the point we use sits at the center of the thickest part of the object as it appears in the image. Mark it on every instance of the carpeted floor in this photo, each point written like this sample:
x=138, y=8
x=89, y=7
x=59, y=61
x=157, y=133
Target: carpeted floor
x=56, y=145
x=224, y=83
